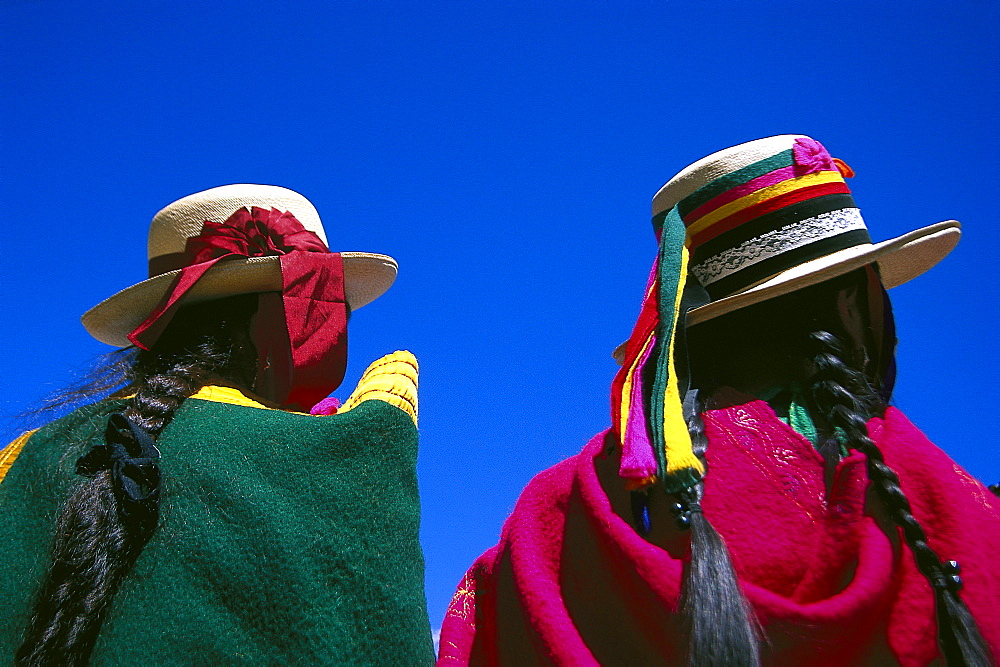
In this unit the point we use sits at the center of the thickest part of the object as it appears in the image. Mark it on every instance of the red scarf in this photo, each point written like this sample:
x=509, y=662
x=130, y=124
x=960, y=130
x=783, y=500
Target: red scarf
x=301, y=332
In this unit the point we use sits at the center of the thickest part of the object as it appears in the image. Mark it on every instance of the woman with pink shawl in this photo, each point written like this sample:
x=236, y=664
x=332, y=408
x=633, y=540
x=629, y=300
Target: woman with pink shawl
x=756, y=500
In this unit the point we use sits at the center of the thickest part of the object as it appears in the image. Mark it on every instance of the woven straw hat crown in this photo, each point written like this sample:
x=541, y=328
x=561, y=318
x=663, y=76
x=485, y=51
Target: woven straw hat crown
x=366, y=275
x=174, y=224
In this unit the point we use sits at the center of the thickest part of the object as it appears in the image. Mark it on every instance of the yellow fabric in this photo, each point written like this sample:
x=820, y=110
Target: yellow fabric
x=10, y=452
x=797, y=183
x=676, y=438
x=392, y=379
x=227, y=395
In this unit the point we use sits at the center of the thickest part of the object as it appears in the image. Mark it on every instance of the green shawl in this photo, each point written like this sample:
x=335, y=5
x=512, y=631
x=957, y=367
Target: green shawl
x=283, y=537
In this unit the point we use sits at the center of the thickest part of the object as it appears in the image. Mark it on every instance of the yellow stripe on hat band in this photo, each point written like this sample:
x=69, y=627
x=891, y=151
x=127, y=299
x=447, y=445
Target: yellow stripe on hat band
x=797, y=183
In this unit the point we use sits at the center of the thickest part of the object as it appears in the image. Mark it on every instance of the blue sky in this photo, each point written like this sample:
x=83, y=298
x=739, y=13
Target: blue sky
x=505, y=154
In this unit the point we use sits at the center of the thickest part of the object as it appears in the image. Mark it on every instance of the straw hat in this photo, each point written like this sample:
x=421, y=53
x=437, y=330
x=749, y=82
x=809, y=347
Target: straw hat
x=773, y=216
x=366, y=275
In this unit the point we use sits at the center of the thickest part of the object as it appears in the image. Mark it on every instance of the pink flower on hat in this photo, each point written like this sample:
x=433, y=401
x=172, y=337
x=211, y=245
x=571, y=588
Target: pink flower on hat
x=810, y=156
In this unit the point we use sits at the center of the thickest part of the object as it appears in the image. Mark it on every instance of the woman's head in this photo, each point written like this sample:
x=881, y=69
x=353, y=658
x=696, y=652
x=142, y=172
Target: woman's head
x=214, y=336
x=259, y=240
x=243, y=293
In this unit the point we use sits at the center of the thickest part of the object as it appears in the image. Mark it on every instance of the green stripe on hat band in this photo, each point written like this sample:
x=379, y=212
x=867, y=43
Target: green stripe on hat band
x=658, y=221
x=731, y=180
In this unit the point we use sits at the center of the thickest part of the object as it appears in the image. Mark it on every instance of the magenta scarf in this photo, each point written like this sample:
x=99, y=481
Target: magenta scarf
x=572, y=583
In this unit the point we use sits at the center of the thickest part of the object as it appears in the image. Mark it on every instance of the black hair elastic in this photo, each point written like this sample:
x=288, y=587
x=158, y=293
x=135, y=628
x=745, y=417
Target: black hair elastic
x=688, y=501
x=949, y=579
x=129, y=453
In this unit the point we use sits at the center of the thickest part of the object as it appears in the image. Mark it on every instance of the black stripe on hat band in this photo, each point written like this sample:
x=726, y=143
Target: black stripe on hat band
x=795, y=235
x=659, y=219
x=767, y=268
x=770, y=222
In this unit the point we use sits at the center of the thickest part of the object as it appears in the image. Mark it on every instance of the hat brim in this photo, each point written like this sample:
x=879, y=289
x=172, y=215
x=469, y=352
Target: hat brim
x=899, y=260
x=366, y=277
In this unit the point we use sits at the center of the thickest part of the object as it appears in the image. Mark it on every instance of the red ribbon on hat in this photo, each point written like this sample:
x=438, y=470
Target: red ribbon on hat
x=301, y=332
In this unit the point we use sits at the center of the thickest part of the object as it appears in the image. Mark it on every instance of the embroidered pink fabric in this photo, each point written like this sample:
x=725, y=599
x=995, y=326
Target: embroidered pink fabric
x=571, y=583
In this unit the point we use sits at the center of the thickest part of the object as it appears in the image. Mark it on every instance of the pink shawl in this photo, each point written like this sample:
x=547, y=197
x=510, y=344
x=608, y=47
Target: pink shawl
x=572, y=583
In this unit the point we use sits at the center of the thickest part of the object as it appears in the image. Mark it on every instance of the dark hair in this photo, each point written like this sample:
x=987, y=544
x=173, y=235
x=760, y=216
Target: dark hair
x=837, y=339
x=95, y=544
x=845, y=398
x=721, y=626
x=750, y=349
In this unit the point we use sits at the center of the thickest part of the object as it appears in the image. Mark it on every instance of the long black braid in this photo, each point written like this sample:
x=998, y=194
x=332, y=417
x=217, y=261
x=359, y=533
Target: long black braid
x=96, y=544
x=734, y=351
x=845, y=399
x=802, y=337
x=720, y=623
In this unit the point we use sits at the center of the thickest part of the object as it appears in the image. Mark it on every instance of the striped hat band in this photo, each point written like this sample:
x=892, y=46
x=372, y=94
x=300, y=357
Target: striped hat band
x=755, y=220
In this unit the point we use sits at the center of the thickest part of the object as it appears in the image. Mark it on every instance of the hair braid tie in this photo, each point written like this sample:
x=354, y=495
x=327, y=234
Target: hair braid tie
x=688, y=501
x=129, y=454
